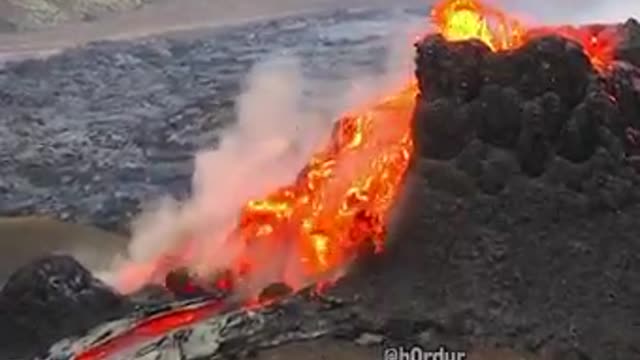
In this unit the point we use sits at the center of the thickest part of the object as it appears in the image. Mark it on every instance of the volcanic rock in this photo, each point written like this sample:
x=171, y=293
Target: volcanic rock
x=539, y=101
x=49, y=299
x=274, y=291
x=629, y=49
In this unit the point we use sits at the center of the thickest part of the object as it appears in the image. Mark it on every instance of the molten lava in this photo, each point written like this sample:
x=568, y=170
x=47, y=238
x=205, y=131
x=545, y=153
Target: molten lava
x=339, y=201
x=460, y=20
x=311, y=229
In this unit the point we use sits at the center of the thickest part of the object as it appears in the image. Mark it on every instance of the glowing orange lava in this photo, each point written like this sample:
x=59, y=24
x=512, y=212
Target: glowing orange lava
x=470, y=19
x=341, y=200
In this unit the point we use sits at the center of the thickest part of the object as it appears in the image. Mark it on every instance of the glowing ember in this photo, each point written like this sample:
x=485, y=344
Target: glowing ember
x=341, y=200
x=460, y=20
x=469, y=19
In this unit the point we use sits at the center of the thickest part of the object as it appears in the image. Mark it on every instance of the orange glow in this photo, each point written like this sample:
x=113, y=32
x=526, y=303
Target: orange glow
x=598, y=43
x=340, y=199
x=460, y=20
x=470, y=19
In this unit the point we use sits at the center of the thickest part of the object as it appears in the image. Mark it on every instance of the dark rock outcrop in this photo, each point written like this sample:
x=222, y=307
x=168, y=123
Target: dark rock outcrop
x=538, y=102
x=542, y=259
x=49, y=299
x=629, y=49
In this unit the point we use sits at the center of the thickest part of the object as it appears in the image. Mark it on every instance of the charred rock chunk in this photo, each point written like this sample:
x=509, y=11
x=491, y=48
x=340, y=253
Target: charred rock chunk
x=185, y=285
x=151, y=299
x=580, y=136
x=471, y=159
x=629, y=49
x=49, y=299
x=498, y=111
x=442, y=176
x=552, y=64
x=602, y=110
x=450, y=69
x=623, y=83
x=533, y=149
x=441, y=129
x=274, y=291
x=541, y=99
x=555, y=114
x=497, y=171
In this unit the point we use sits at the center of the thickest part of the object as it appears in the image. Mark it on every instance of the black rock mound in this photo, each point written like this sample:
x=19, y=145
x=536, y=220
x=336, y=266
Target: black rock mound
x=517, y=225
x=49, y=299
x=543, y=103
x=541, y=100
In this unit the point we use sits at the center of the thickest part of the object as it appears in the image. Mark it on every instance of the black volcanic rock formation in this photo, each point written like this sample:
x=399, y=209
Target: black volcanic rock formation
x=518, y=222
x=540, y=101
x=49, y=299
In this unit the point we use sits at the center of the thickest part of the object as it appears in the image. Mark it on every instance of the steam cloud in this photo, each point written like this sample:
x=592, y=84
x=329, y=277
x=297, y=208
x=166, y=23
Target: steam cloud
x=573, y=11
x=269, y=144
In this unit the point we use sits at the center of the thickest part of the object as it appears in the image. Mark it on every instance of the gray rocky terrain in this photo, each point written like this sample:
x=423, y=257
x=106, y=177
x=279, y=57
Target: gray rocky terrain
x=89, y=134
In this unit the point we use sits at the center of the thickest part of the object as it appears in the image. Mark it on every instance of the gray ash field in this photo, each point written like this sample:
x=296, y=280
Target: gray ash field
x=91, y=133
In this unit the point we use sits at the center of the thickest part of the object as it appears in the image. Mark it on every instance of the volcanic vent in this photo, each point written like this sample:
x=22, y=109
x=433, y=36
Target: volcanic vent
x=507, y=130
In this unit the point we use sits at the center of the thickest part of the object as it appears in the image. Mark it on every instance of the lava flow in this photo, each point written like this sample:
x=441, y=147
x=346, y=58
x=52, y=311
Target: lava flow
x=312, y=229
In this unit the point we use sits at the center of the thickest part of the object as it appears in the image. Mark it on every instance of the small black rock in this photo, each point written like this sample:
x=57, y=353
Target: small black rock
x=52, y=298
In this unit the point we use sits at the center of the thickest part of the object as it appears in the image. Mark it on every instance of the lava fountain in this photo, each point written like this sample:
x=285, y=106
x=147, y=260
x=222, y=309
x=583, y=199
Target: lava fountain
x=311, y=230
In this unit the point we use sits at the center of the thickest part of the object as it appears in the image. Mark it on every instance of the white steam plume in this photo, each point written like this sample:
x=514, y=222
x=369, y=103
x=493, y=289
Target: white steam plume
x=267, y=147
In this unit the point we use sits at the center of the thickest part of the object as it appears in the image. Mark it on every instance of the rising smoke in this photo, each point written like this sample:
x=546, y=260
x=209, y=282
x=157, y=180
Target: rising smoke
x=271, y=141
